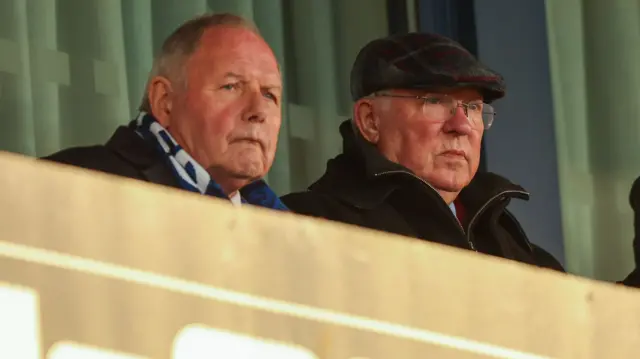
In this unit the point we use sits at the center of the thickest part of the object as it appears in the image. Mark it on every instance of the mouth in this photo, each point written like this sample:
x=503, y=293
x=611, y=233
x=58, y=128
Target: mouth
x=455, y=154
x=250, y=140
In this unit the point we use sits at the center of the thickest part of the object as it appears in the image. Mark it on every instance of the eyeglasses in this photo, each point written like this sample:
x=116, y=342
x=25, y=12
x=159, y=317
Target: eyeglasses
x=442, y=107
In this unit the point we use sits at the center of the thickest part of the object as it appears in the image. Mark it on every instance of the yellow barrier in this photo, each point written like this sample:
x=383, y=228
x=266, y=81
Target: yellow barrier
x=94, y=265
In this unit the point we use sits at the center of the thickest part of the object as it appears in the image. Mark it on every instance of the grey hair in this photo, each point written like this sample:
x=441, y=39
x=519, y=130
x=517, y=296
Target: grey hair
x=182, y=43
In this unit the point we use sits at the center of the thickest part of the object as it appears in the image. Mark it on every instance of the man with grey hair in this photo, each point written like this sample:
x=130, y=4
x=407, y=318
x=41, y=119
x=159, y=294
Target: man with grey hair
x=411, y=152
x=209, y=119
x=410, y=157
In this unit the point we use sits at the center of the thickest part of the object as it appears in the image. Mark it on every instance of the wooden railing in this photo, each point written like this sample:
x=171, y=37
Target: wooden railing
x=92, y=264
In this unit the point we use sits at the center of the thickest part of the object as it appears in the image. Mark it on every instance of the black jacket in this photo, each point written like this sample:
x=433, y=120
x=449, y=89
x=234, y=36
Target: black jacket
x=634, y=199
x=363, y=188
x=125, y=154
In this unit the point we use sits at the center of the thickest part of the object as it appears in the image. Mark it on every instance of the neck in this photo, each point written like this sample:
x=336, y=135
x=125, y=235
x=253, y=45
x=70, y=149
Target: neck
x=229, y=186
x=448, y=197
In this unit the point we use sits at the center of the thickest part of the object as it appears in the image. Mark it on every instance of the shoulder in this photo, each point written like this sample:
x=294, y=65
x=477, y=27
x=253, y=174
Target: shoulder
x=546, y=259
x=540, y=256
x=312, y=203
x=125, y=154
x=96, y=158
x=633, y=279
x=634, y=194
x=634, y=199
x=91, y=157
x=322, y=205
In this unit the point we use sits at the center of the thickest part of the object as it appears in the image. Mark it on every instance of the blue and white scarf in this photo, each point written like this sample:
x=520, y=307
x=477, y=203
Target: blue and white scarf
x=191, y=176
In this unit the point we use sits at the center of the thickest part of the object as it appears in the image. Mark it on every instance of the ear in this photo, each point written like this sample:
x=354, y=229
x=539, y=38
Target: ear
x=160, y=95
x=366, y=120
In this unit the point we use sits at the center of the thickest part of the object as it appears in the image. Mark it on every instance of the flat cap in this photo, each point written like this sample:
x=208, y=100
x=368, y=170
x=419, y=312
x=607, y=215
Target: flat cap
x=421, y=61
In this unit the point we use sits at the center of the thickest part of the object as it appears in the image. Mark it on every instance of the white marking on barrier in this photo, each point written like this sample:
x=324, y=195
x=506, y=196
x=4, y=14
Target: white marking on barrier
x=71, y=350
x=174, y=284
x=200, y=342
x=19, y=322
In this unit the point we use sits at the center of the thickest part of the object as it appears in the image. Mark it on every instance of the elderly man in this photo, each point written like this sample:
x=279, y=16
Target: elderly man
x=411, y=152
x=210, y=117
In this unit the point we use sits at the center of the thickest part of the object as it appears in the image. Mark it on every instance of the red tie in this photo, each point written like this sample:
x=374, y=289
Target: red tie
x=460, y=212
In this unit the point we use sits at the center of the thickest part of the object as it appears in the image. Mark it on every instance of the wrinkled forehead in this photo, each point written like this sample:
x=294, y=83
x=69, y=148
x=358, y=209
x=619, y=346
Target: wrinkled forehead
x=225, y=49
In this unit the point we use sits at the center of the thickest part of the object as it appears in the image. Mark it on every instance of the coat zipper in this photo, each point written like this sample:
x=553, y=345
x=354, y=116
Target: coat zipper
x=466, y=234
x=471, y=246
x=524, y=236
x=486, y=205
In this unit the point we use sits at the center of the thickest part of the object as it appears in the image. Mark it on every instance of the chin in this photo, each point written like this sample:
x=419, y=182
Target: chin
x=449, y=183
x=249, y=163
x=249, y=171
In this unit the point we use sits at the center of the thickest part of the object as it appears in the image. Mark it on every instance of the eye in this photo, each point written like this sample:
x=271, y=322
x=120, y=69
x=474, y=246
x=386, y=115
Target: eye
x=232, y=86
x=271, y=96
x=476, y=107
x=432, y=100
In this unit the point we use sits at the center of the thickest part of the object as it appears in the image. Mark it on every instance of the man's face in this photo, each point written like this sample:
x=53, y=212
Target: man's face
x=445, y=152
x=227, y=114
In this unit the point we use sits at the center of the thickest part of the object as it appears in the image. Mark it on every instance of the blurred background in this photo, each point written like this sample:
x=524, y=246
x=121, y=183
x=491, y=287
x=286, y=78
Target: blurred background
x=71, y=71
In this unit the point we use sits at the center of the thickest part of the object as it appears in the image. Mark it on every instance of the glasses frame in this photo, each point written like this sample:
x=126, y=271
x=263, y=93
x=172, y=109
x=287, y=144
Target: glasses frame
x=464, y=105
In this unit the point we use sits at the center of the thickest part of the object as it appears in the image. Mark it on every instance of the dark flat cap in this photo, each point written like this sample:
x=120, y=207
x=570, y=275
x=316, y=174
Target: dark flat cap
x=421, y=61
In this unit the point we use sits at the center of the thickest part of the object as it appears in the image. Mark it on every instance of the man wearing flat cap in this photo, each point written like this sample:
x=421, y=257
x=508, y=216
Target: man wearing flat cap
x=412, y=149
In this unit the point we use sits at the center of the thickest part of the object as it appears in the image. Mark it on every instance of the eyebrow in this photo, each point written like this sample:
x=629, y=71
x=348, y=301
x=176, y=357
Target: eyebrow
x=234, y=75
x=242, y=78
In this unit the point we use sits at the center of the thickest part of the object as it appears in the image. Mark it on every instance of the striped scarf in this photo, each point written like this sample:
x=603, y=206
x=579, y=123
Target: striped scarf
x=191, y=176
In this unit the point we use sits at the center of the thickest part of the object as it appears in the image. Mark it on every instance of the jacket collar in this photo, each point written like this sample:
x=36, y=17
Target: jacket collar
x=360, y=150
x=364, y=178
x=142, y=155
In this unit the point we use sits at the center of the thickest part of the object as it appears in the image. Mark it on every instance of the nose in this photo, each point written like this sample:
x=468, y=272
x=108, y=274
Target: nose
x=458, y=123
x=255, y=108
x=255, y=117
